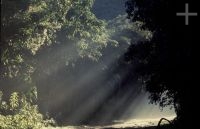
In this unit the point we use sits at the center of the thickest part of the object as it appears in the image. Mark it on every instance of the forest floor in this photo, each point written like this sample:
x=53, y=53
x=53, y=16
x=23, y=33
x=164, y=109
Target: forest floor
x=126, y=124
x=80, y=127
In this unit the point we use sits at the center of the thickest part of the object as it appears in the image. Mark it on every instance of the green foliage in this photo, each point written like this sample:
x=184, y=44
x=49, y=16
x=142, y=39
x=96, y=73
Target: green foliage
x=123, y=30
x=30, y=25
x=89, y=33
x=14, y=98
x=21, y=113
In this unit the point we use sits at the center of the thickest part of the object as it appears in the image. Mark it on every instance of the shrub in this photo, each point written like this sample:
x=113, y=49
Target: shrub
x=20, y=112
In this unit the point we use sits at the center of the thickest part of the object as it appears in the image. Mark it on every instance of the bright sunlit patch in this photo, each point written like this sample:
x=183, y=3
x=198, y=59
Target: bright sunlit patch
x=122, y=124
x=140, y=122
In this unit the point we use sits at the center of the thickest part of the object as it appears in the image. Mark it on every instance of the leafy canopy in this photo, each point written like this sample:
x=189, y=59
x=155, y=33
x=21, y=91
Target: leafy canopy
x=31, y=25
x=20, y=112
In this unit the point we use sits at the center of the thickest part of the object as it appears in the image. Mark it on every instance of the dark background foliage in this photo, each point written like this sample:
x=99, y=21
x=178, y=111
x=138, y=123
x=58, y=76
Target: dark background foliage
x=167, y=62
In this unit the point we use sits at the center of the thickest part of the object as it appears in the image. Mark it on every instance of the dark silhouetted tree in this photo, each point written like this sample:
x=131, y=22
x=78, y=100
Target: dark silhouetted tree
x=166, y=62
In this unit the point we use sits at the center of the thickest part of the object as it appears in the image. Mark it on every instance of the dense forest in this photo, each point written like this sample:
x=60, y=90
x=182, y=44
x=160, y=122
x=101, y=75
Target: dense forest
x=64, y=62
x=46, y=47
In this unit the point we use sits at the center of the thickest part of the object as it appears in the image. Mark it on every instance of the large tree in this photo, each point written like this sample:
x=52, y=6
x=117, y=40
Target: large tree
x=33, y=30
x=31, y=25
x=166, y=62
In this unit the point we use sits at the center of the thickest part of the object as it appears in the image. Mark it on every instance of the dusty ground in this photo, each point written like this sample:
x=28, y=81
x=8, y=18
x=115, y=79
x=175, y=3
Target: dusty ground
x=82, y=127
x=128, y=124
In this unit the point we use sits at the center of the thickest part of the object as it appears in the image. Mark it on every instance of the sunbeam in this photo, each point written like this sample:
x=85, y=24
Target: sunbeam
x=80, y=64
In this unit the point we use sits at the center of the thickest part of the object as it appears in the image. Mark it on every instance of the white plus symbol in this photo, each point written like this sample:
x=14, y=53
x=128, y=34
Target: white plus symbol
x=186, y=14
